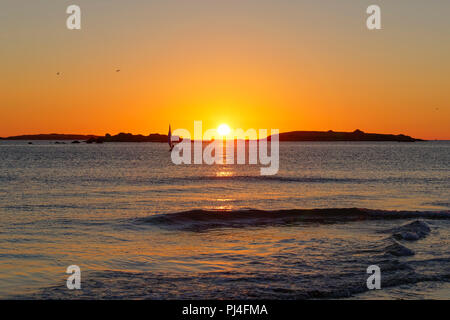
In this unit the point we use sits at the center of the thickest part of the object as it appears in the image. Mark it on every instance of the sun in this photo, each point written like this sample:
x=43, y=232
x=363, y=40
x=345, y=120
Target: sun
x=223, y=129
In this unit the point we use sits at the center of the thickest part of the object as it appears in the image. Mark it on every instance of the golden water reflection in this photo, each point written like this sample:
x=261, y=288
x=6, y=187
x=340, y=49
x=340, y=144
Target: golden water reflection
x=224, y=173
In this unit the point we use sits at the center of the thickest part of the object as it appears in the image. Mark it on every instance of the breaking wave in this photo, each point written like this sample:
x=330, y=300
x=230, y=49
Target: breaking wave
x=198, y=219
x=412, y=231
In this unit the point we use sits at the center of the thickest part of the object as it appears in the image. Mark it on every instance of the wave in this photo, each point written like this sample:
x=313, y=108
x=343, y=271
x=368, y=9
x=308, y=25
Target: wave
x=399, y=250
x=276, y=178
x=251, y=217
x=412, y=231
x=295, y=179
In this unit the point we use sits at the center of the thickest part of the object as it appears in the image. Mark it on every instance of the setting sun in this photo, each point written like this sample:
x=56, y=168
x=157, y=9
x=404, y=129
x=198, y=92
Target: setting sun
x=223, y=129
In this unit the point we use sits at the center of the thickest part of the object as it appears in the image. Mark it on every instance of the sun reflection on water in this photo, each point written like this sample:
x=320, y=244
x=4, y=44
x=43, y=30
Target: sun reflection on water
x=225, y=172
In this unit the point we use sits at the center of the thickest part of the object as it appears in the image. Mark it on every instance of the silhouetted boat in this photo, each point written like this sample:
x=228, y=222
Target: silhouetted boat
x=169, y=136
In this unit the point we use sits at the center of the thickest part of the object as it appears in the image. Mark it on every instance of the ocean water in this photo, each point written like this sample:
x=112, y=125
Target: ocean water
x=141, y=227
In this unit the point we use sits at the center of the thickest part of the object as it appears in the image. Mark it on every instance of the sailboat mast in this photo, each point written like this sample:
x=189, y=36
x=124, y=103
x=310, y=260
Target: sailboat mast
x=169, y=136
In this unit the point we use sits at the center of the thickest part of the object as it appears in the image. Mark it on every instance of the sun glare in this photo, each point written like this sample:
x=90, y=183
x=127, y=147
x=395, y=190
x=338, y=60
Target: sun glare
x=223, y=129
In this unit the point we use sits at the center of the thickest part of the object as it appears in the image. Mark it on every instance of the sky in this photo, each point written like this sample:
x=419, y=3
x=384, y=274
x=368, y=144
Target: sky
x=280, y=64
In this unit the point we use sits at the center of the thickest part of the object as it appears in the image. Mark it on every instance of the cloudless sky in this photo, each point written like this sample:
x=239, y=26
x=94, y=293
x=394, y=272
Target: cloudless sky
x=284, y=64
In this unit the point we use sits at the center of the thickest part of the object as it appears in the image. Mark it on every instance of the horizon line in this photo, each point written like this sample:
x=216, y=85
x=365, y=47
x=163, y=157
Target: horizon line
x=89, y=135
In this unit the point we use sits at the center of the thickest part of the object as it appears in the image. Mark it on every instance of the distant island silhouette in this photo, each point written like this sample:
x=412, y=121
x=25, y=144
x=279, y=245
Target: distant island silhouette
x=52, y=136
x=330, y=135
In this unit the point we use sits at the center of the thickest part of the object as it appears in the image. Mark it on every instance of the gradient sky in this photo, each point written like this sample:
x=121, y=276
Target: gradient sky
x=284, y=64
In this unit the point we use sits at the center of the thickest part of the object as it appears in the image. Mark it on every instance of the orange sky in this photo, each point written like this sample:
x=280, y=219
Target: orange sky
x=288, y=65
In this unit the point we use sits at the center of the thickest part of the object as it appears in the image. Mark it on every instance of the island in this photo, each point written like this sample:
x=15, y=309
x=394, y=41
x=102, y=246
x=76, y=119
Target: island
x=330, y=135
x=52, y=136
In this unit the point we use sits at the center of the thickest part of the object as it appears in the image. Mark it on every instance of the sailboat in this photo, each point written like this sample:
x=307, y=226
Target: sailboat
x=170, y=139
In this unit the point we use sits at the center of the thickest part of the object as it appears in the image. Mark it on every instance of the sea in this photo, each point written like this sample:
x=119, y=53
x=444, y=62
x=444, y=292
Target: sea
x=140, y=227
